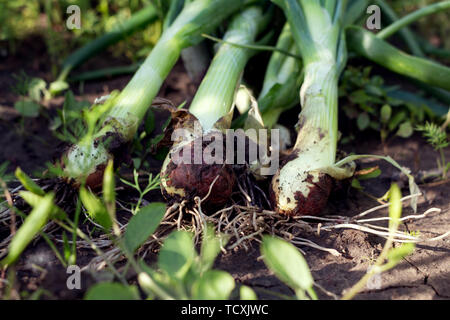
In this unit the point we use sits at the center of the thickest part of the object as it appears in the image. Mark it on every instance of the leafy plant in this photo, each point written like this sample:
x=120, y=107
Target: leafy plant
x=288, y=264
x=181, y=272
x=375, y=106
x=389, y=256
x=31, y=92
x=67, y=125
x=152, y=184
x=437, y=138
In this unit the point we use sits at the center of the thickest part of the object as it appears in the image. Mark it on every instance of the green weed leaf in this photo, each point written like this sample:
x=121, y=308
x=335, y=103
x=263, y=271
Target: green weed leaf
x=288, y=264
x=143, y=225
x=95, y=208
x=27, y=108
x=213, y=285
x=247, y=293
x=28, y=183
x=112, y=291
x=177, y=254
x=29, y=229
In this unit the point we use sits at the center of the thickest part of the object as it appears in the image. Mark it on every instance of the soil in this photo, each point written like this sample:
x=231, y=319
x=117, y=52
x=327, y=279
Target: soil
x=423, y=275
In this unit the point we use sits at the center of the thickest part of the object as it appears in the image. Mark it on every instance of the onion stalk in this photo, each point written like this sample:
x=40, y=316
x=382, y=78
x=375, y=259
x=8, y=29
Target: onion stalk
x=86, y=160
x=281, y=81
x=137, y=21
x=381, y=52
x=281, y=84
x=211, y=112
x=302, y=185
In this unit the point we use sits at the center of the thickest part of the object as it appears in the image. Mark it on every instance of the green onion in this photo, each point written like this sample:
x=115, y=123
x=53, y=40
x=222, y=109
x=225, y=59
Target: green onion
x=105, y=72
x=412, y=17
x=127, y=110
x=281, y=84
x=375, y=49
x=212, y=110
x=405, y=32
x=302, y=185
x=138, y=21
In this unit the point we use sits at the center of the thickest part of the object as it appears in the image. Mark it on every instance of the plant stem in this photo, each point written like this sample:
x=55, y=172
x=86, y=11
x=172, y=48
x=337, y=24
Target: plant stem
x=378, y=50
x=443, y=163
x=405, y=32
x=97, y=250
x=154, y=286
x=412, y=17
x=254, y=47
x=215, y=95
x=139, y=20
x=145, y=84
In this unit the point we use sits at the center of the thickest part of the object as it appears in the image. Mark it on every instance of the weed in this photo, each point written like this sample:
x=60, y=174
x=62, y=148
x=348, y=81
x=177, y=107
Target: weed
x=437, y=138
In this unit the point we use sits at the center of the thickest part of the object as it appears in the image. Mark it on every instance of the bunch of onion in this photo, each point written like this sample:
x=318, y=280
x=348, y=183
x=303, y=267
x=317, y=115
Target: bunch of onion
x=85, y=161
x=209, y=115
x=303, y=184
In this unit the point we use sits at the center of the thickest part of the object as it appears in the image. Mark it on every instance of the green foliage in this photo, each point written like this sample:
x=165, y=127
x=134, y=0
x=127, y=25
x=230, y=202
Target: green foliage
x=247, y=293
x=428, y=27
x=153, y=183
x=95, y=208
x=370, y=173
x=112, y=291
x=28, y=183
x=102, y=211
x=10, y=11
x=177, y=254
x=29, y=229
x=213, y=285
x=186, y=274
x=31, y=92
x=181, y=272
x=143, y=225
x=288, y=264
x=435, y=136
x=389, y=256
x=374, y=105
x=68, y=125
x=96, y=20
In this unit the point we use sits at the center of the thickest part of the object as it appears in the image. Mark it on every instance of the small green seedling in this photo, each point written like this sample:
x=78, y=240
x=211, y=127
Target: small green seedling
x=289, y=265
x=68, y=124
x=389, y=256
x=32, y=225
x=437, y=138
x=152, y=184
x=102, y=211
x=181, y=272
x=31, y=92
x=378, y=107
